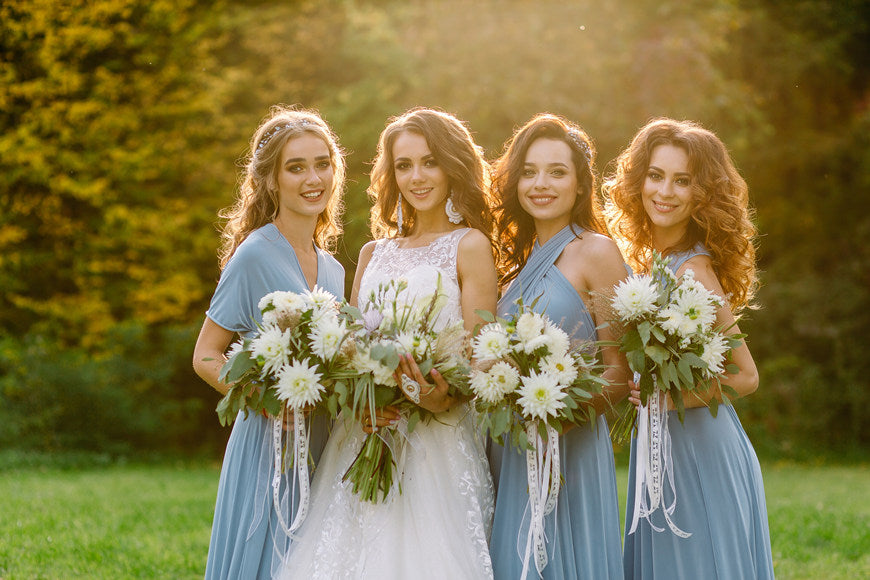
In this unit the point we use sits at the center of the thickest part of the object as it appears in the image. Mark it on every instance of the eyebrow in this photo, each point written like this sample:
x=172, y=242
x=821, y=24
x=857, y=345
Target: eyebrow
x=424, y=158
x=663, y=171
x=301, y=159
x=555, y=164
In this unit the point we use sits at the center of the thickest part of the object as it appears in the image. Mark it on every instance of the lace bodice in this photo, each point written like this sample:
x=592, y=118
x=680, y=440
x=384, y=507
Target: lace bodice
x=420, y=267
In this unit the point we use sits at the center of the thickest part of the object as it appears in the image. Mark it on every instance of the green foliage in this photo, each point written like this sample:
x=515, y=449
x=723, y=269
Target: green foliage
x=122, y=124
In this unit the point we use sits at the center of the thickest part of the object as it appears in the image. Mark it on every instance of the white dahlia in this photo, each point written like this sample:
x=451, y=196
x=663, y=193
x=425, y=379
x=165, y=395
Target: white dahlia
x=299, y=384
x=540, y=395
x=635, y=297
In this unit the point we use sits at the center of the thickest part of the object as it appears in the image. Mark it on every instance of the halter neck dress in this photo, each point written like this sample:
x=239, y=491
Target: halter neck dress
x=245, y=537
x=583, y=537
x=720, y=501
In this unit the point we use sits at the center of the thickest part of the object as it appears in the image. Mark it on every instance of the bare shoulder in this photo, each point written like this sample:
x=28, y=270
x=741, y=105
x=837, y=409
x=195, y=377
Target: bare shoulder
x=365, y=253
x=702, y=269
x=474, y=240
x=592, y=247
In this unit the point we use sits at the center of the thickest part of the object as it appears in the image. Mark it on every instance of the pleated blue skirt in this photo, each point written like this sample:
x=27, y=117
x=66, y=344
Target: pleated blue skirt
x=720, y=501
x=244, y=543
x=583, y=537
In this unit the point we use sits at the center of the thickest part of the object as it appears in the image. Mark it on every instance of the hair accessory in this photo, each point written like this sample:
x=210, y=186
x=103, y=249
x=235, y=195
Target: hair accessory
x=453, y=216
x=581, y=143
x=300, y=124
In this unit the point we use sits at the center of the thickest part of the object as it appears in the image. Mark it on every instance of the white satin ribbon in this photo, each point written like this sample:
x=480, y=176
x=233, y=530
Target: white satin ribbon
x=544, y=478
x=300, y=471
x=653, y=463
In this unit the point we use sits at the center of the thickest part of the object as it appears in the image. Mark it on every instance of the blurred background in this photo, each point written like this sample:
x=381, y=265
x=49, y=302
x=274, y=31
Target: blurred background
x=123, y=124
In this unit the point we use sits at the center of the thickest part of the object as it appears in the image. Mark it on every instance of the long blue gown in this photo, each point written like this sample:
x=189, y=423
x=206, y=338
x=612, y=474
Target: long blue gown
x=583, y=537
x=720, y=501
x=243, y=536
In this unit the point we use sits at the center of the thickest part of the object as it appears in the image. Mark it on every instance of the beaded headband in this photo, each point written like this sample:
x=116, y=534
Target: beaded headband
x=581, y=143
x=300, y=124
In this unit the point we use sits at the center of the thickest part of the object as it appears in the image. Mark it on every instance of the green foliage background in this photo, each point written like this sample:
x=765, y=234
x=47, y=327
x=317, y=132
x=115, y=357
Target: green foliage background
x=122, y=123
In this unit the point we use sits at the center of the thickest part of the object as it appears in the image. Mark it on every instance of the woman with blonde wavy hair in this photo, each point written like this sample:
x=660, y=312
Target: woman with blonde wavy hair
x=431, y=223
x=277, y=235
x=675, y=190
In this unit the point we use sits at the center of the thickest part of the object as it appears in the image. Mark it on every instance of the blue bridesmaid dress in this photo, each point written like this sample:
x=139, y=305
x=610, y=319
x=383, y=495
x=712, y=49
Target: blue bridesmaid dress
x=583, y=536
x=245, y=538
x=720, y=501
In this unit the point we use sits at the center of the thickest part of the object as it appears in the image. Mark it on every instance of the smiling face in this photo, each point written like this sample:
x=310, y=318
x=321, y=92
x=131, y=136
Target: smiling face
x=305, y=176
x=547, y=188
x=422, y=182
x=667, y=194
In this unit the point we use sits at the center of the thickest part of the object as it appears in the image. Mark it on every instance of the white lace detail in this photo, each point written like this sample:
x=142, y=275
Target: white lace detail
x=439, y=526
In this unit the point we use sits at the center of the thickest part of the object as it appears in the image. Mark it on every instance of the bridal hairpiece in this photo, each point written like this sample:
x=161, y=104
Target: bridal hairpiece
x=580, y=142
x=300, y=124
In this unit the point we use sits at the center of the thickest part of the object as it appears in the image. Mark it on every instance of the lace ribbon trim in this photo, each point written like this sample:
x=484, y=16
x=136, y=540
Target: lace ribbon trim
x=654, y=464
x=543, y=475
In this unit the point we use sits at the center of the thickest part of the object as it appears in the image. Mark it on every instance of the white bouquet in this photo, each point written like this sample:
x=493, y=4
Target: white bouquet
x=396, y=323
x=673, y=348
x=529, y=385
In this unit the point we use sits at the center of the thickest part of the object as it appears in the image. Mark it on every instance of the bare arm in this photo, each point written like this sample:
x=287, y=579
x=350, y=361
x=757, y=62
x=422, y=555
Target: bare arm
x=477, y=278
x=745, y=381
x=594, y=267
x=365, y=256
x=208, y=354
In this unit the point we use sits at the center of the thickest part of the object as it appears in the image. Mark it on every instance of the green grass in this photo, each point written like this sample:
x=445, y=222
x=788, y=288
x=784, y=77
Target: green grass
x=152, y=521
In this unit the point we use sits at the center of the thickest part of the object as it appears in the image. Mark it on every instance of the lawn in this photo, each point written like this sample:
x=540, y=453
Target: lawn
x=138, y=521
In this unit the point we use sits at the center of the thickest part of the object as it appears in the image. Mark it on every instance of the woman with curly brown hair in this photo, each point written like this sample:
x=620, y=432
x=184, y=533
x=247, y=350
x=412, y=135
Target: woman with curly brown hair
x=277, y=236
x=431, y=223
x=558, y=259
x=676, y=191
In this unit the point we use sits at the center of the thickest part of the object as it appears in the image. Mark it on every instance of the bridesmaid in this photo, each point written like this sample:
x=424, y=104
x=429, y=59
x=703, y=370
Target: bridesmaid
x=554, y=251
x=677, y=191
x=285, y=217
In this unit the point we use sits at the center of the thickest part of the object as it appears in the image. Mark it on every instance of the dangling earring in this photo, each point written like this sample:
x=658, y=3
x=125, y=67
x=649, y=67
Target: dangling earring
x=453, y=216
x=399, y=215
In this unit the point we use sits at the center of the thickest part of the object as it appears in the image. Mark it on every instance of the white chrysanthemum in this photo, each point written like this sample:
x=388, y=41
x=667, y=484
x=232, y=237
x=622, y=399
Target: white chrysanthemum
x=714, y=354
x=273, y=345
x=691, y=311
x=530, y=325
x=288, y=304
x=319, y=298
x=235, y=349
x=562, y=367
x=363, y=363
x=635, y=297
x=483, y=386
x=537, y=342
x=491, y=343
x=540, y=395
x=326, y=336
x=299, y=384
x=559, y=342
x=505, y=377
x=413, y=344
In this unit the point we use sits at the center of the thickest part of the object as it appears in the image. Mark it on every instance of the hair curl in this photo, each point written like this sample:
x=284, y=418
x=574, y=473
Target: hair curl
x=515, y=226
x=257, y=200
x=456, y=153
x=721, y=218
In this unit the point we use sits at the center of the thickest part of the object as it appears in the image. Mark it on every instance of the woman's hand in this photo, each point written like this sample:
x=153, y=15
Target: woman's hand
x=432, y=397
x=383, y=417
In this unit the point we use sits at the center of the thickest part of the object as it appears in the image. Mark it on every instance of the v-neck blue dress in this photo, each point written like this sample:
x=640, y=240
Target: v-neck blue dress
x=720, y=501
x=583, y=537
x=245, y=538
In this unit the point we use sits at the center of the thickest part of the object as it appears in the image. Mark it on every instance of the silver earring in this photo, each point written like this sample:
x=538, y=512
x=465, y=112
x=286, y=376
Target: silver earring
x=399, y=216
x=452, y=215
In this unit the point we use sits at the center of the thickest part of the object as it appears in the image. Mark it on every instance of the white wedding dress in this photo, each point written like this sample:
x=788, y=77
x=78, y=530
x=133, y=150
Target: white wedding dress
x=439, y=526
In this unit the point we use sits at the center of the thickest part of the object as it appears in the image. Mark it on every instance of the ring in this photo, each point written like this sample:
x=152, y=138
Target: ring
x=411, y=388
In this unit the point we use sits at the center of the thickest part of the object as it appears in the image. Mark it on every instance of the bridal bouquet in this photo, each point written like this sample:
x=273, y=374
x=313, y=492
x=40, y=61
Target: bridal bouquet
x=396, y=323
x=297, y=361
x=674, y=350
x=530, y=385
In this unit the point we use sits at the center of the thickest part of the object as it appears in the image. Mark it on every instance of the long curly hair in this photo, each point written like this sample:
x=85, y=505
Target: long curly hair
x=257, y=200
x=721, y=218
x=515, y=226
x=456, y=153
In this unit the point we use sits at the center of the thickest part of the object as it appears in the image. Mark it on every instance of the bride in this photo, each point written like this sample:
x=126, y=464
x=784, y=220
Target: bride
x=430, y=218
